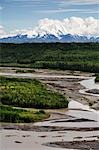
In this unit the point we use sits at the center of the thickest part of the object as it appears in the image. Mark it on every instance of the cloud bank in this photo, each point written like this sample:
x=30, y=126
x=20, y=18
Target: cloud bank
x=74, y=25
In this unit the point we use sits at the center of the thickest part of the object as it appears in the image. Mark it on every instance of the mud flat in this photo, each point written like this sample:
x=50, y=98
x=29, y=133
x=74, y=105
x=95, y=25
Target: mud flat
x=31, y=127
x=29, y=140
x=80, y=145
x=94, y=91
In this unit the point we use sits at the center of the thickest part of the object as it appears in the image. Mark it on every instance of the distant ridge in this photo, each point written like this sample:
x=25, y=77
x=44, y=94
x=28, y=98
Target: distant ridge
x=48, y=38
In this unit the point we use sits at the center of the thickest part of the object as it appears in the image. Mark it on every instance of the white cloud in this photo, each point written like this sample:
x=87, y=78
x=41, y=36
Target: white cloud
x=74, y=25
x=60, y=10
x=78, y=10
x=2, y=32
x=77, y=2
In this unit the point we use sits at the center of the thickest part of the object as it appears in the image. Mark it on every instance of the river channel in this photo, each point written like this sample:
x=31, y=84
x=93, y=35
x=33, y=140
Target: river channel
x=78, y=116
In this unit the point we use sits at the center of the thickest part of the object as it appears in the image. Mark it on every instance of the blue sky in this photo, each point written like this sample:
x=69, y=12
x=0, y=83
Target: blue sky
x=21, y=14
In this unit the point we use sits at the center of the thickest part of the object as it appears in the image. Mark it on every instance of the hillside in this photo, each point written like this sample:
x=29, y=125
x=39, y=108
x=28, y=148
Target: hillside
x=72, y=56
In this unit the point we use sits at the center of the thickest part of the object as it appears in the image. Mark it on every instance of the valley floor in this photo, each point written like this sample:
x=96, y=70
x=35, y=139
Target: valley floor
x=66, y=128
x=65, y=82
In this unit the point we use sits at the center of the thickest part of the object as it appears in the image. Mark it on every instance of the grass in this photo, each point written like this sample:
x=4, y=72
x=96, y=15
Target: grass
x=28, y=93
x=14, y=115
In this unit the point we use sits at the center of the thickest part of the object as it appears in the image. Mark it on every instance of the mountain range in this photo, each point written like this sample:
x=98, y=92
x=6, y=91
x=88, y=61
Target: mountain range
x=47, y=38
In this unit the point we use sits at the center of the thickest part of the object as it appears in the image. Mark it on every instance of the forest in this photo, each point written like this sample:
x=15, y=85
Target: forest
x=64, y=56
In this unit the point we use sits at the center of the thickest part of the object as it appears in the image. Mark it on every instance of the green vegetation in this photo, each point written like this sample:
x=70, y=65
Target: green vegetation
x=15, y=115
x=97, y=78
x=72, y=56
x=28, y=93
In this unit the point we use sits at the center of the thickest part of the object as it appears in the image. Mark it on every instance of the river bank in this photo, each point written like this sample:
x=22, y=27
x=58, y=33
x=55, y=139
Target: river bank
x=70, y=83
x=79, y=124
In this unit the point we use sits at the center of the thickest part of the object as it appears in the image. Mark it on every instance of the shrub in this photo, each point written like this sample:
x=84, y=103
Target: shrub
x=30, y=94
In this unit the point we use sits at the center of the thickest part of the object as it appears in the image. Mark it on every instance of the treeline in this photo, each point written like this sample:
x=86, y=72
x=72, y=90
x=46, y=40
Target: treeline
x=72, y=56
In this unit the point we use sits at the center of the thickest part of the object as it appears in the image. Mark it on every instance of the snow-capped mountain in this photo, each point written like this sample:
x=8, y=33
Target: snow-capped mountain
x=47, y=38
